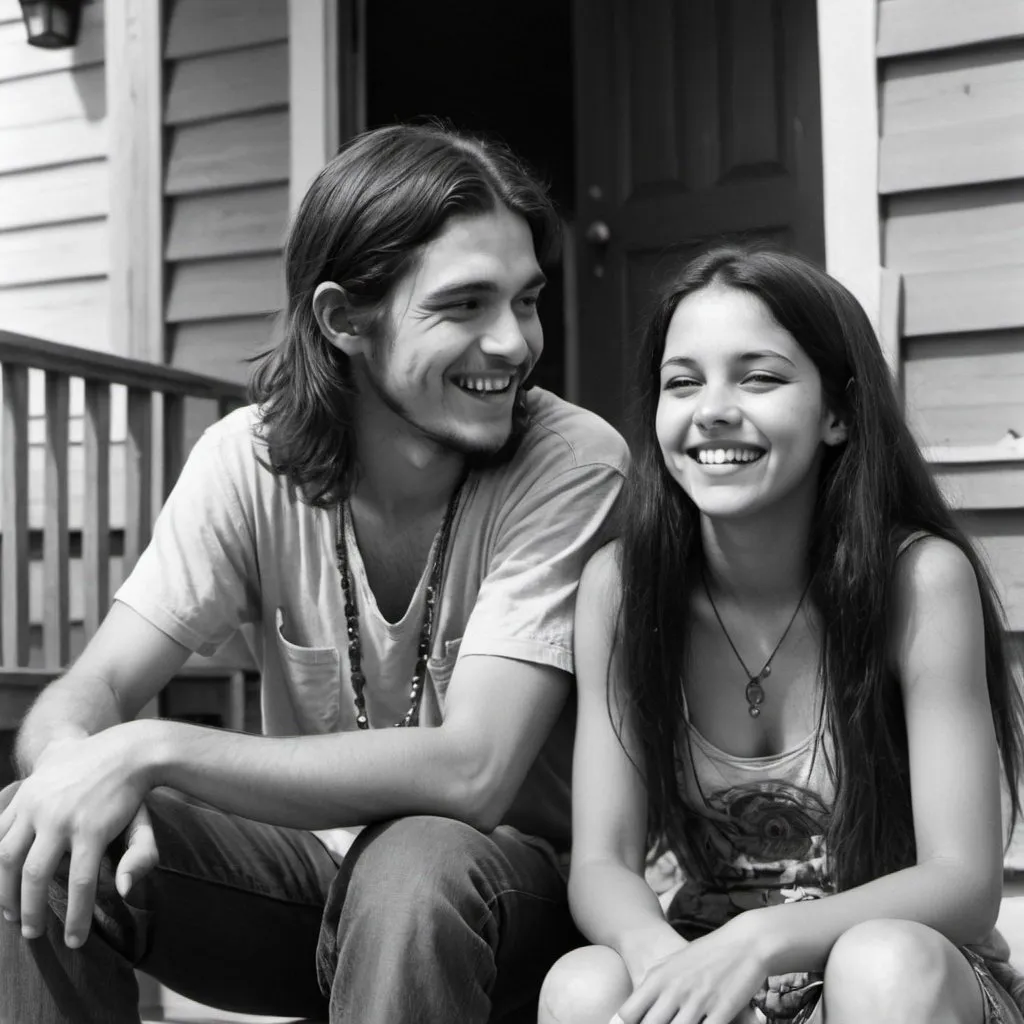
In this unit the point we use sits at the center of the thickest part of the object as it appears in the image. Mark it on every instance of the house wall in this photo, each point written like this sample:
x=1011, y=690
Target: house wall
x=226, y=164
x=53, y=184
x=54, y=242
x=951, y=184
x=226, y=119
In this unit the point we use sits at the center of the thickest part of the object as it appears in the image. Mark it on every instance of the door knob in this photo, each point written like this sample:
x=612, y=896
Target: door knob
x=598, y=233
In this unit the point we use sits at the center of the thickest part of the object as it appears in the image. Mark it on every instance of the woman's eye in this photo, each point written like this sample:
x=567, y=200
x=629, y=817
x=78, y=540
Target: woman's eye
x=765, y=379
x=681, y=384
x=529, y=302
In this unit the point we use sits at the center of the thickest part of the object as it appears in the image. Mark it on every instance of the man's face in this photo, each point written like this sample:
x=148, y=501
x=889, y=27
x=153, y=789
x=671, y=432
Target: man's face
x=462, y=334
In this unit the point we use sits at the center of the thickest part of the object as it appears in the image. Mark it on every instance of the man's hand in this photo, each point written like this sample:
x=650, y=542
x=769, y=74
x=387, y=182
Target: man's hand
x=81, y=795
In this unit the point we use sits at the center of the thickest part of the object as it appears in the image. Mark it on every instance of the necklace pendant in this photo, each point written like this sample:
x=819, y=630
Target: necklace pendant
x=755, y=696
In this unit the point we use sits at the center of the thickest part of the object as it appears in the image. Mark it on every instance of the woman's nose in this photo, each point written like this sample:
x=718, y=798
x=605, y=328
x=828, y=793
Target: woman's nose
x=717, y=408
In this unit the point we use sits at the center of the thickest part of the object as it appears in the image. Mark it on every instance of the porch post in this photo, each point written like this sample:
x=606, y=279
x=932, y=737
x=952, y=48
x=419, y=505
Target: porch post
x=313, y=70
x=849, y=120
x=134, y=82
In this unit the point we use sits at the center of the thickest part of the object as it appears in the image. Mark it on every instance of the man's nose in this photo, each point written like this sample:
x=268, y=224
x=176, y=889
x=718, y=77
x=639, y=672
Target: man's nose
x=504, y=337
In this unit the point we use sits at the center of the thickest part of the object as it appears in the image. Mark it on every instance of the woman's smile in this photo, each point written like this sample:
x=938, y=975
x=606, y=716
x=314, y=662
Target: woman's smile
x=741, y=418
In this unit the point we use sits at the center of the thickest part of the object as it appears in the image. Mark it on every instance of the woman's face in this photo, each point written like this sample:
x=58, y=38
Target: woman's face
x=741, y=416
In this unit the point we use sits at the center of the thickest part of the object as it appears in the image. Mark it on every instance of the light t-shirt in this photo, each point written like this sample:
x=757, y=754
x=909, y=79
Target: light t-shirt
x=234, y=550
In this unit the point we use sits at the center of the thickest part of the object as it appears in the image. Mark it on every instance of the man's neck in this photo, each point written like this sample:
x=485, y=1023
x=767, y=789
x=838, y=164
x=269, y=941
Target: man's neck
x=401, y=475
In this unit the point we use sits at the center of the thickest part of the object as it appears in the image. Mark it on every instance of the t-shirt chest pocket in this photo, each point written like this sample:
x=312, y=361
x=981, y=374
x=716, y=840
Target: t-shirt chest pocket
x=313, y=675
x=441, y=667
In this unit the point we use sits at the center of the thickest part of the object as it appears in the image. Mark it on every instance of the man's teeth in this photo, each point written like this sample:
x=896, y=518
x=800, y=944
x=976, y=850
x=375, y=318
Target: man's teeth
x=484, y=383
x=717, y=456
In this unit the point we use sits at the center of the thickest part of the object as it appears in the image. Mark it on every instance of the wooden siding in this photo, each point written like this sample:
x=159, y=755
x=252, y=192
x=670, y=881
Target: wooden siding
x=951, y=178
x=197, y=26
x=919, y=26
x=226, y=184
x=55, y=247
x=53, y=183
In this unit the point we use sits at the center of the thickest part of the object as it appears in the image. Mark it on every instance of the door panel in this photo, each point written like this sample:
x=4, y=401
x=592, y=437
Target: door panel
x=696, y=119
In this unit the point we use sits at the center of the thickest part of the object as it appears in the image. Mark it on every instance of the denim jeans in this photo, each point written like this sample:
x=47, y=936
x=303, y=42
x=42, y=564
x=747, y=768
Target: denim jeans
x=426, y=920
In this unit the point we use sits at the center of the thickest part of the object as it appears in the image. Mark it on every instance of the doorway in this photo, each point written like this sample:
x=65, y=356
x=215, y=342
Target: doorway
x=496, y=70
x=661, y=126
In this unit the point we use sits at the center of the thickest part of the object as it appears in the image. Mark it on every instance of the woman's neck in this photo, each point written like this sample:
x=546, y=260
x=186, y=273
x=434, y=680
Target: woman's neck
x=758, y=561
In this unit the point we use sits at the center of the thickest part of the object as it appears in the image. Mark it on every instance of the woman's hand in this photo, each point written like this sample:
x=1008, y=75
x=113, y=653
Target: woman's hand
x=81, y=795
x=710, y=980
x=642, y=950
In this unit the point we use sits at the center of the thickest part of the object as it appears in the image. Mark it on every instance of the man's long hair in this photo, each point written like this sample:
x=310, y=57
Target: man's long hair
x=872, y=491
x=363, y=224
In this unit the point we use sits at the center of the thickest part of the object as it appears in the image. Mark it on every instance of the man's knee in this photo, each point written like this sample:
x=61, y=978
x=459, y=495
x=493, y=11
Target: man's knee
x=585, y=986
x=414, y=874
x=431, y=856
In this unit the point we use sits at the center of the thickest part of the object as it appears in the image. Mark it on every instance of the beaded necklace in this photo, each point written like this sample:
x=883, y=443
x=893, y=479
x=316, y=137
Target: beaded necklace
x=355, y=651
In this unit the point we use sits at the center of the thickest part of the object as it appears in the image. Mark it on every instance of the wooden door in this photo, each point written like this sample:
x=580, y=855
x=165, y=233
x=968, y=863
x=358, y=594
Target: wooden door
x=695, y=119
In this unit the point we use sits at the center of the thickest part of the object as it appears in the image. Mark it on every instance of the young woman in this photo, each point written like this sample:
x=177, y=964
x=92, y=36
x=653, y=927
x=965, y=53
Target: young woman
x=791, y=686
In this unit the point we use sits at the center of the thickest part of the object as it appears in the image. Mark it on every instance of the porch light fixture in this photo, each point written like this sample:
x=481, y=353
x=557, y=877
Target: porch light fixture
x=51, y=24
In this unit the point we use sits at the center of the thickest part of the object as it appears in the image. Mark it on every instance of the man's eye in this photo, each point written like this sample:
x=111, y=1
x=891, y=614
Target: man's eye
x=529, y=301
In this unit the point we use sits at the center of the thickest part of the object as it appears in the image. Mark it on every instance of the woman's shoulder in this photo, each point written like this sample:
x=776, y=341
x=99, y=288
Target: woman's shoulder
x=598, y=610
x=932, y=565
x=934, y=582
x=603, y=572
x=600, y=592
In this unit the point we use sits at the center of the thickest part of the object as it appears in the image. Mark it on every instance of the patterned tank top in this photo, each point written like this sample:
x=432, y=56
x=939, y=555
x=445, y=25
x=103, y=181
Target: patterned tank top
x=760, y=823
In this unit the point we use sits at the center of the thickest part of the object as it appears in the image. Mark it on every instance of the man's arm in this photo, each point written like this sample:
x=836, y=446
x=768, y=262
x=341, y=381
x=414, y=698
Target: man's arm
x=83, y=792
x=124, y=666
x=499, y=713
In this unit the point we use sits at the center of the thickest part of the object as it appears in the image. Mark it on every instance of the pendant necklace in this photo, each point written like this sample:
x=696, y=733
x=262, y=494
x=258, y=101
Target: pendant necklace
x=755, y=682
x=355, y=651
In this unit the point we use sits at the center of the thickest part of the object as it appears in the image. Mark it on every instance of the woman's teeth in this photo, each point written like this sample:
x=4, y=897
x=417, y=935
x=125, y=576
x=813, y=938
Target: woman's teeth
x=483, y=384
x=719, y=456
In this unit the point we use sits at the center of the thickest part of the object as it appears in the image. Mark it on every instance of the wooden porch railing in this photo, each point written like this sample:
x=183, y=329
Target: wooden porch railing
x=149, y=387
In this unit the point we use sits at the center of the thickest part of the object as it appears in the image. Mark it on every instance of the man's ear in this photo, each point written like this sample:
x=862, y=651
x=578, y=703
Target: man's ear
x=333, y=315
x=835, y=431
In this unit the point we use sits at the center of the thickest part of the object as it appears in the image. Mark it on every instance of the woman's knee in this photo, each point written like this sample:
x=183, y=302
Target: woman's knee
x=585, y=986
x=899, y=970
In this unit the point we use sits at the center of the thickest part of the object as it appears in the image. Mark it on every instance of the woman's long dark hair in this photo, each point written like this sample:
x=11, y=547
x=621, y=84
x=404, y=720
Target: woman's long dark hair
x=362, y=224
x=872, y=490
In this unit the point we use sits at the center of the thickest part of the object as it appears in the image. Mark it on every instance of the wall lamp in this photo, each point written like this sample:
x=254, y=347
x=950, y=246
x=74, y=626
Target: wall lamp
x=51, y=24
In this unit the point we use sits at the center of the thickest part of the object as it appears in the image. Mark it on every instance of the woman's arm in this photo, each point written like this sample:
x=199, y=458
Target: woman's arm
x=610, y=900
x=956, y=885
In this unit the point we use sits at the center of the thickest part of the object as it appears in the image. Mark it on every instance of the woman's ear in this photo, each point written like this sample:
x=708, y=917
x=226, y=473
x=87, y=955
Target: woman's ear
x=835, y=430
x=333, y=315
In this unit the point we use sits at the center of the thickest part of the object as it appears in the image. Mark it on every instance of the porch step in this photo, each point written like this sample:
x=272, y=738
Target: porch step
x=204, y=1015
x=161, y=1005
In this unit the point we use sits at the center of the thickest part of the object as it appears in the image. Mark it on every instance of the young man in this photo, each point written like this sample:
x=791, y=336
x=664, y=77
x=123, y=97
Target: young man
x=397, y=528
